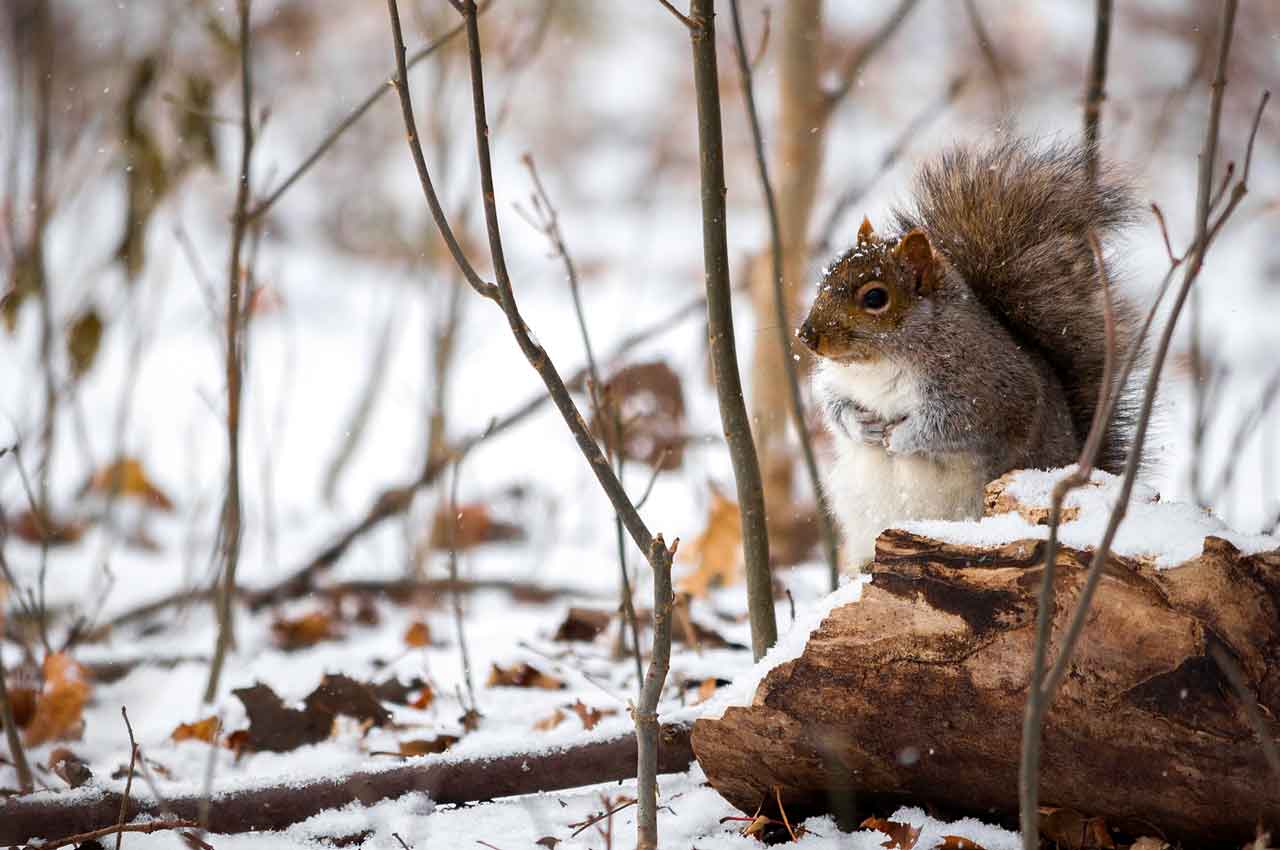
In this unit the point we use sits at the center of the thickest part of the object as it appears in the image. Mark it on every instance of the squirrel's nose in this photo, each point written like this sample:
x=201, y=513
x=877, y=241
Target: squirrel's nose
x=808, y=335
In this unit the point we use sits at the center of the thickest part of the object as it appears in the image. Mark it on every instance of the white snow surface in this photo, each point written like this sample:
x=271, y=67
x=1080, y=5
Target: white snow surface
x=1168, y=532
x=619, y=99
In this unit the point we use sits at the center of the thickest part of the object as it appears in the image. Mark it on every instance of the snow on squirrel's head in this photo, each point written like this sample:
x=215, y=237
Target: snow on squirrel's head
x=869, y=298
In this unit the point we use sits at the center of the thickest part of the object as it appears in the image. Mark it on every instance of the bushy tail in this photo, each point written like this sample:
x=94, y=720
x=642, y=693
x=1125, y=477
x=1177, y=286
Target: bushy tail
x=1013, y=221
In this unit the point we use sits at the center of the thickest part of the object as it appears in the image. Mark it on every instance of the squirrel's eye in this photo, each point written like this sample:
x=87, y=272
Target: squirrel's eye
x=874, y=298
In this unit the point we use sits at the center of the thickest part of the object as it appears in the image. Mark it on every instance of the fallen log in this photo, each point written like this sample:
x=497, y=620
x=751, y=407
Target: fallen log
x=445, y=779
x=916, y=692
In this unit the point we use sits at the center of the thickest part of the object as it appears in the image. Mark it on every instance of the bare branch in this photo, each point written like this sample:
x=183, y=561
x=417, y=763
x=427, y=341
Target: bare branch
x=1249, y=702
x=679, y=16
x=1095, y=92
x=724, y=357
x=826, y=525
x=1028, y=778
x=858, y=60
x=400, y=82
x=912, y=131
x=988, y=48
x=26, y=782
x=231, y=518
x=346, y=123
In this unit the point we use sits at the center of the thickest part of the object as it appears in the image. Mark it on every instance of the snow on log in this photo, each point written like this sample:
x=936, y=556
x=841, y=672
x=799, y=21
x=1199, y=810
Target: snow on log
x=916, y=692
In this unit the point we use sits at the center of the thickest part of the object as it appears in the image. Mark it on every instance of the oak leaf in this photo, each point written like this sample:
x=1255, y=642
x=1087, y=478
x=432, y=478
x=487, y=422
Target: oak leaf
x=717, y=551
x=901, y=836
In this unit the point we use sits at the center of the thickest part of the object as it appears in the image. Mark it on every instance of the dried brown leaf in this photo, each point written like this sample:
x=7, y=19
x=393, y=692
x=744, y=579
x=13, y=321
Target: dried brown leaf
x=202, y=730
x=423, y=747
x=83, y=339
x=418, y=634
x=717, y=551
x=590, y=716
x=127, y=477
x=901, y=836
x=551, y=721
x=69, y=767
x=305, y=631
x=583, y=624
x=60, y=705
x=523, y=675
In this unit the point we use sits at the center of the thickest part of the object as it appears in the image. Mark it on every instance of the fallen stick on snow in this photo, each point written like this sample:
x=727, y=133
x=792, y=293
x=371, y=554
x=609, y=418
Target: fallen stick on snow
x=445, y=779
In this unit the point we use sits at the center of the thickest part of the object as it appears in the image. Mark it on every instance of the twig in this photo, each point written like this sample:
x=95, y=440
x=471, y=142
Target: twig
x=502, y=293
x=547, y=221
x=654, y=547
x=395, y=500
x=231, y=512
x=400, y=82
x=1028, y=779
x=397, y=837
x=38, y=601
x=658, y=466
x=724, y=357
x=1108, y=392
x=679, y=16
x=1249, y=703
x=826, y=526
x=363, y=410
x=909, y=134
x=128, y=783
x=595, y=819
x=455, y=596
x=988, y=49
x=146, y=828
x=346, y=123
x=26, y=782
x=858, y=60
x=1095, y=92
x=646, y=712
x=1246, y=427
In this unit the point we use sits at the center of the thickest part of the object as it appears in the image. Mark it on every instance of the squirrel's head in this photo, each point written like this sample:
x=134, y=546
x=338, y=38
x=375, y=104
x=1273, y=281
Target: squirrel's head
x=869, y=293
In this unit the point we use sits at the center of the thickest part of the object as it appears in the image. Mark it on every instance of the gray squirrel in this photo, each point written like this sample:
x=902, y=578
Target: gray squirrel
x=970, y=342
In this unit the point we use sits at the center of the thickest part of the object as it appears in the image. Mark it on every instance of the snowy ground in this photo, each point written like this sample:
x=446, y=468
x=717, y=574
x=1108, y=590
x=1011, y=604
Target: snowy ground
x=641, y=254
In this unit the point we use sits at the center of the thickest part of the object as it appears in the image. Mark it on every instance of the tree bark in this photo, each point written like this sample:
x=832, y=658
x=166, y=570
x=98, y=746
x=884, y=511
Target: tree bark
x=916, y=693
x=444, y=780
x=797, y=161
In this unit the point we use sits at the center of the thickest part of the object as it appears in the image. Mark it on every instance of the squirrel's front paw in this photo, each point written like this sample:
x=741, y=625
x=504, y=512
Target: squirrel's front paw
x=870, y=428
x=900, y=440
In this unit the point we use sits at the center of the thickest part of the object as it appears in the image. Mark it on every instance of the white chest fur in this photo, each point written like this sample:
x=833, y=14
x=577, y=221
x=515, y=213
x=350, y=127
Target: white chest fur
x=869, y=488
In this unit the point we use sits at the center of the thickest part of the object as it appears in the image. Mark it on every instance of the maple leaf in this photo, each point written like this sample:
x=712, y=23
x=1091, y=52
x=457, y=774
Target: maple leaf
x=590, y=716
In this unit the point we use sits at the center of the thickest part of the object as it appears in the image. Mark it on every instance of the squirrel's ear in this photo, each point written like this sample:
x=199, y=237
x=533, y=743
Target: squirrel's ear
x=914, y=251
x=865, y=232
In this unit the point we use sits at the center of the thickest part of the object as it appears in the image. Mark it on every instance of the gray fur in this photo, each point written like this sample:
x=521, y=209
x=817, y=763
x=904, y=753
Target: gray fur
x=1012, y=221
